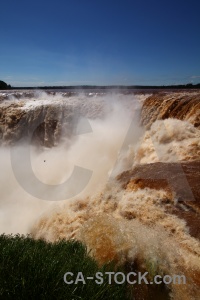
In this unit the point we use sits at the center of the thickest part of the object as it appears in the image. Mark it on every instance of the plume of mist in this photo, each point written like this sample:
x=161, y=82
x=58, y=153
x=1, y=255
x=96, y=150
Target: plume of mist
x=97, y=151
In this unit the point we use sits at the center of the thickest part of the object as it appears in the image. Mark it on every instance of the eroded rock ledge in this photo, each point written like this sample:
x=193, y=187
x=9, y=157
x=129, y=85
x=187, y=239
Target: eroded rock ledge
x=175, y=178
x=44, y=119
x=183, y=106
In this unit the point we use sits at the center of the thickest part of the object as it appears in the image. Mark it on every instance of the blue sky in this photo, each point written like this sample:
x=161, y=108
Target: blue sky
x=71, y=42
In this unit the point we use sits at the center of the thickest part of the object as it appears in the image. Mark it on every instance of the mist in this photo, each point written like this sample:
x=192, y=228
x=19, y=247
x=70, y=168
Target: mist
x=95, y=145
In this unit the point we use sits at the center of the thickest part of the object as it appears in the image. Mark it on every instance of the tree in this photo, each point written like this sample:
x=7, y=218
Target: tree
x=4, y=86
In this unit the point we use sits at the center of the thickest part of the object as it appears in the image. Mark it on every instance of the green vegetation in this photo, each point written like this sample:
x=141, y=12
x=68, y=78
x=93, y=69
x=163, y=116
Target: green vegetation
x=32, y=269
x=4, y=86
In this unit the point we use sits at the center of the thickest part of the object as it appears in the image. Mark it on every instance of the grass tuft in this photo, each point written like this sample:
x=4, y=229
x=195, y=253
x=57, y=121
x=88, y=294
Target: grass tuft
x=31, y=269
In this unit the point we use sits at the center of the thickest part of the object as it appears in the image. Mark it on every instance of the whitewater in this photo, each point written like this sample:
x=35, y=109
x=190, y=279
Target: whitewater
x=96, y=138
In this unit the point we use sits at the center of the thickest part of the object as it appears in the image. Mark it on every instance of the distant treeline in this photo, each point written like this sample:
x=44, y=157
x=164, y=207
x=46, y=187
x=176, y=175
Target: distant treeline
x=4, y=86
x=110, y=87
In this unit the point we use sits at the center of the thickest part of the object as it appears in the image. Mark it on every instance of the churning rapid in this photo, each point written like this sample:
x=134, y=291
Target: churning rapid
x=125, y=167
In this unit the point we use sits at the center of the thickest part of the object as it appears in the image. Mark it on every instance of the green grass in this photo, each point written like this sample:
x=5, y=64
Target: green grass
x=32, y=269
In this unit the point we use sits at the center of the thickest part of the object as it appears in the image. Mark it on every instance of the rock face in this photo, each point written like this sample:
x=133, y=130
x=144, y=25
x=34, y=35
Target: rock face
x=183, y=106
x=44, y=119
x=43, y=123
x=179, y=180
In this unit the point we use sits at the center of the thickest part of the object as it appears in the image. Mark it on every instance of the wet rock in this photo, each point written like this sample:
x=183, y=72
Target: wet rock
x=179, y=180
x=182, y=106
x=43, y=119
